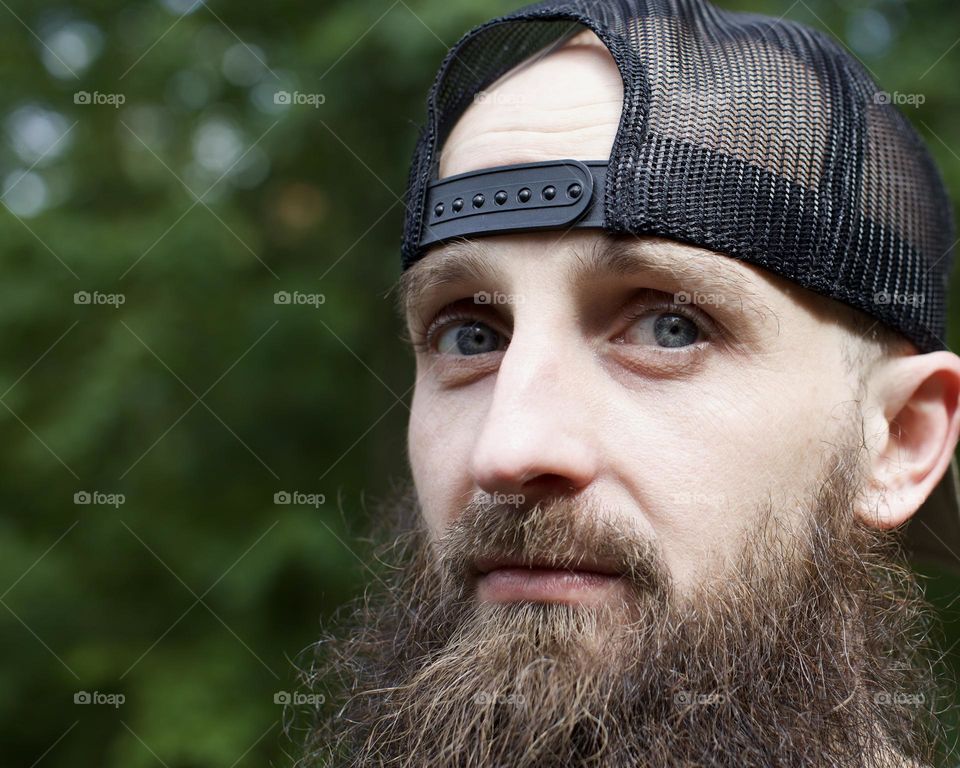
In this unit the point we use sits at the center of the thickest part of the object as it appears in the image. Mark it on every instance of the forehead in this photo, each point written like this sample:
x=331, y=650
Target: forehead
x=563, y=103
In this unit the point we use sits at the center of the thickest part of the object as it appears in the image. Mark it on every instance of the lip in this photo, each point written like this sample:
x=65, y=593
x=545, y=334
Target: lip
x=504, y=581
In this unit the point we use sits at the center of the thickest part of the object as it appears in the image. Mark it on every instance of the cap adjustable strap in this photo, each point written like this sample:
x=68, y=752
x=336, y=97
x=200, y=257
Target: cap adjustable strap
x=514, y=198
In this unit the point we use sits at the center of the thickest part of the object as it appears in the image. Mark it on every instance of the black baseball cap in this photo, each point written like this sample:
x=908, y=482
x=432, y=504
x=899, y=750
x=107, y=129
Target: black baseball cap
x=756, y=137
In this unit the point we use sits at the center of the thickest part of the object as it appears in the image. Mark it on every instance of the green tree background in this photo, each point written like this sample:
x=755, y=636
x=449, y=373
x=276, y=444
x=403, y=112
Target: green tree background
x=200, y=398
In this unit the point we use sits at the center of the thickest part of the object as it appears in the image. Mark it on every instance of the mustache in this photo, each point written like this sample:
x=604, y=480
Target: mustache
x=561, y=532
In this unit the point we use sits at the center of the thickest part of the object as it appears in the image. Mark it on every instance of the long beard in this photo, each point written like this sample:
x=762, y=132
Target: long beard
x=812, y=649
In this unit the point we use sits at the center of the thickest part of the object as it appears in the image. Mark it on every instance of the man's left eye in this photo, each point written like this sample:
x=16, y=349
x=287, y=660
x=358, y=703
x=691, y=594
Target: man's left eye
x=664, y=329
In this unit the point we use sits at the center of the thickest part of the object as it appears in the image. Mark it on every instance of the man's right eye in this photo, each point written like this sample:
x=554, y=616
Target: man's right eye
x=468, y=337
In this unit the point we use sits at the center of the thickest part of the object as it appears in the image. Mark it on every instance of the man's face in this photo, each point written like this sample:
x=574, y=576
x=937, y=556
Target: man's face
x=657, y=381
x=632, y=540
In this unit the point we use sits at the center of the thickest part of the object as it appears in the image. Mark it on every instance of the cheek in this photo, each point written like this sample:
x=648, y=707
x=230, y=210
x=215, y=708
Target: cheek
x=440, y=436
x=704, y=468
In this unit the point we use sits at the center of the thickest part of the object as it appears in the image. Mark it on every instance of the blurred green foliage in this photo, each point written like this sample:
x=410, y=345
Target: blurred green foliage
x=199, y=397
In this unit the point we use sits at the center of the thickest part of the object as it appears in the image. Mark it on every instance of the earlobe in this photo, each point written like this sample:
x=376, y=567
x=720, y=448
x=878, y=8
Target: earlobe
x=918, y=397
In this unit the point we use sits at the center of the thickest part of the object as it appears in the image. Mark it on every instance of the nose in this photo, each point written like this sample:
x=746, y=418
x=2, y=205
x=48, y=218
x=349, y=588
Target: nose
x=535, y=439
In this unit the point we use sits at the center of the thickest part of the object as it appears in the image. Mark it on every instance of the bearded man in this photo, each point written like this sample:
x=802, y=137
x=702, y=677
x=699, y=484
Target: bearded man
x=675, y=280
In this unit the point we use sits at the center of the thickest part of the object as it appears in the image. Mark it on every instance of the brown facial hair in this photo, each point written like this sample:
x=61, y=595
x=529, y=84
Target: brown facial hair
x=812, y=648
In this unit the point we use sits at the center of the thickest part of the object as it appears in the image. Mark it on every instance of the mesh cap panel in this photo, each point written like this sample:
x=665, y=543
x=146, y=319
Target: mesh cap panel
x=759, y=138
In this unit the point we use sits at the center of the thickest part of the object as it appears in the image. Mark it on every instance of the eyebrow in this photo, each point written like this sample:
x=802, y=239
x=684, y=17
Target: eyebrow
x=689, y=267
x=468, y=261
x=458, y=261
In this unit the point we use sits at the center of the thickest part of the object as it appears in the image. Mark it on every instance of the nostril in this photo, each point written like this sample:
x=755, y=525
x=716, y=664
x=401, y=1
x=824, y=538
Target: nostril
x=547, y=484
x=524, y=488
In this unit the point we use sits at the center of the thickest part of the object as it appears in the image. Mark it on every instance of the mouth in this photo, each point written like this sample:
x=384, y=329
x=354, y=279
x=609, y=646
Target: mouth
x=512, y=580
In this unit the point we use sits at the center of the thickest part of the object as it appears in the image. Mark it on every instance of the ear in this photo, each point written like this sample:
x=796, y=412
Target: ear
x=916, y=421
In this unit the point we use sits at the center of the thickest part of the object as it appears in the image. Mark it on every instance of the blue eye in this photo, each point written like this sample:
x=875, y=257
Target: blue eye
x=664, y=329
x=469, y=338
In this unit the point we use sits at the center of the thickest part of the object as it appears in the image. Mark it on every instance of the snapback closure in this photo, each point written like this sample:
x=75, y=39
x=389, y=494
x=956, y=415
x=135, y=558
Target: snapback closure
x=554, y=194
